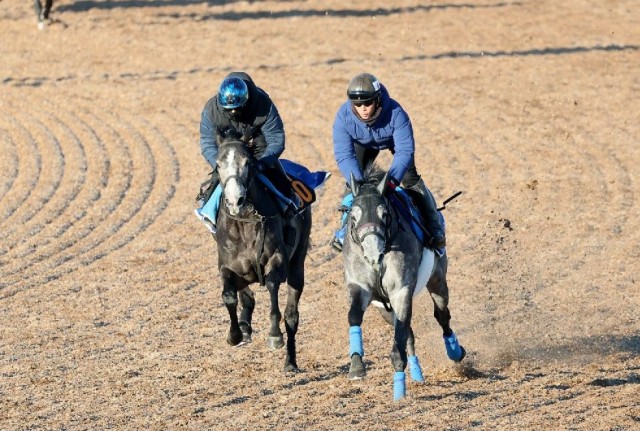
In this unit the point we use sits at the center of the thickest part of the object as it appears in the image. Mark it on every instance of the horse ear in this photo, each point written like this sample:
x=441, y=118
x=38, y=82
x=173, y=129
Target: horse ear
x=382, y=186
x=355, y=185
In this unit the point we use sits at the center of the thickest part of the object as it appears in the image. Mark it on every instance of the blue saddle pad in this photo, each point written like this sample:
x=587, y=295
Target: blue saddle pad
x=403, y=202
x=303, y=183
x=311, y=179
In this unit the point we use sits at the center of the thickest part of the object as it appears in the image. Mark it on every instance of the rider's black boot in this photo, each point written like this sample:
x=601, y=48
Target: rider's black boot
x=427, y=207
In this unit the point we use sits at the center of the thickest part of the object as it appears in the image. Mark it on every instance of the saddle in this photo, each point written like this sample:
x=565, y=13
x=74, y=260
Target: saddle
x=402, y=200
x=293, y=185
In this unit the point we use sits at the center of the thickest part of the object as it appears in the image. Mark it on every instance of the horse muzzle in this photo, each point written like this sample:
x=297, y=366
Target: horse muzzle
x=372, y=240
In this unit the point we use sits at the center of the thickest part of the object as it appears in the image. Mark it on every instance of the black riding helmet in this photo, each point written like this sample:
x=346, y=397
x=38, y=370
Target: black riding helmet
x=364, y=88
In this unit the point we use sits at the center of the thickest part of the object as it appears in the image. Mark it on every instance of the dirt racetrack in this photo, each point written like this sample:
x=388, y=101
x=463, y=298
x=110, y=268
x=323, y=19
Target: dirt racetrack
x=110, y=308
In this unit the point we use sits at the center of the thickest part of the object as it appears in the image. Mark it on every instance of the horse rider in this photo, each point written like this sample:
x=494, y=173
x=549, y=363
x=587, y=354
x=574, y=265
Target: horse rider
x=245, y=109
x=371, y=121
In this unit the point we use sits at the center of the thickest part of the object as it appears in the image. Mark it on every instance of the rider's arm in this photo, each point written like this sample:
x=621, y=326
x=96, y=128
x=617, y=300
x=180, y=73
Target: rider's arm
x=208, y=145
x=343, y=149
x=404, y=145
x=273, y=132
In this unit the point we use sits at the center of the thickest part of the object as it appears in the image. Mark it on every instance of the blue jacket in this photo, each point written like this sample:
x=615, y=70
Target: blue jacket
x=261, y=121
x=392, y=130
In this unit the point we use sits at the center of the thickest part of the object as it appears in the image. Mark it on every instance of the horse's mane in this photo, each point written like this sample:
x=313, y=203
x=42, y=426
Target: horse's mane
x=373, y=174
x=229, y=135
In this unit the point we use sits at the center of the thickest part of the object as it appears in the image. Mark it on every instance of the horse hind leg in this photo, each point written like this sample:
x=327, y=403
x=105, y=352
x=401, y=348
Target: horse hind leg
x=291, y=321
x=455, y=351
x=399, y=356
x=415, y=370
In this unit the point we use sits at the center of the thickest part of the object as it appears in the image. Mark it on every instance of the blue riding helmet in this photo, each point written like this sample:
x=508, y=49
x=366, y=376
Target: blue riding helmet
x=233, y=93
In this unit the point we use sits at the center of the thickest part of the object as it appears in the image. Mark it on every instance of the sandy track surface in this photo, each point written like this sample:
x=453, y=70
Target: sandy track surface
x=110, y=308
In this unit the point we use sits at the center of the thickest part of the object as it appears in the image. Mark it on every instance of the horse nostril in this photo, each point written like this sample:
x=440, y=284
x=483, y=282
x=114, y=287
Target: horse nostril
x=374, y=263
x=241, y=201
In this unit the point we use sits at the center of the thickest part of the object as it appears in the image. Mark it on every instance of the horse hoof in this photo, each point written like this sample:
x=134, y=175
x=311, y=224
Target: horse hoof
x=246, y=333
x=291, y=369
x=234, y=338
x=462, y=355
x=415, y=370
x=275, y=342
x=455, y=351
x=357, y=370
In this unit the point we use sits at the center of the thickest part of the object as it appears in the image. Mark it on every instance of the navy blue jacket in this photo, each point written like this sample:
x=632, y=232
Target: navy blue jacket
x=260, y=120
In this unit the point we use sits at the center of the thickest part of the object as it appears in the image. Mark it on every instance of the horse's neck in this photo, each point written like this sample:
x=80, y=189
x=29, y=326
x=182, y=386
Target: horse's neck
x=262, y=199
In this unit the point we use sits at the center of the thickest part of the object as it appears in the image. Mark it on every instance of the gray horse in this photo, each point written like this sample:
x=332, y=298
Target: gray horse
x=258, y=244
x=385, y=263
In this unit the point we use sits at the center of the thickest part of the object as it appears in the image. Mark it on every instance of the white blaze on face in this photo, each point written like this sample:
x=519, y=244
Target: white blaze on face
x=234, y=191
x=373, y=244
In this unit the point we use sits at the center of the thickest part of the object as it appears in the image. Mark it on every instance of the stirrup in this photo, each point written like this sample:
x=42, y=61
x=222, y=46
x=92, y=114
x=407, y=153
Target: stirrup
x=336, y=244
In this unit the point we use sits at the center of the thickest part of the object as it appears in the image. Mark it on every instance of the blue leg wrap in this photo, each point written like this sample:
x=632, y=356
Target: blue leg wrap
x=415, y=369
x=355, y=341
x=399, y=386
x=454, y=352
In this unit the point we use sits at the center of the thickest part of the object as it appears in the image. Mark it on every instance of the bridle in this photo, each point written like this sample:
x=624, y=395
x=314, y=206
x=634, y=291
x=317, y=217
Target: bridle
x=254, y=217
x=382, y=231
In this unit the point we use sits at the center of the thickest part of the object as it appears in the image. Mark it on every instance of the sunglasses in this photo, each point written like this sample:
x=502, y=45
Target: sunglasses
x=233, y=111
x=359, y=104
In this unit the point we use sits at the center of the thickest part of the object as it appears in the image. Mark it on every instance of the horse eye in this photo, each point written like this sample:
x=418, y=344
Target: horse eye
x=382, y=211
x=355, y=213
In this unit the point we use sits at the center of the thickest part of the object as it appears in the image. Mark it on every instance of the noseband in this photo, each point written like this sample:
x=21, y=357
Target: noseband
x=238, y=178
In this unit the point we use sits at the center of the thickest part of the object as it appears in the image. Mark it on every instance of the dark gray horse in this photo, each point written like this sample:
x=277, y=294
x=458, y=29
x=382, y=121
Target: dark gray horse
x=42, y=13
x=385, y=263
x=257, y=244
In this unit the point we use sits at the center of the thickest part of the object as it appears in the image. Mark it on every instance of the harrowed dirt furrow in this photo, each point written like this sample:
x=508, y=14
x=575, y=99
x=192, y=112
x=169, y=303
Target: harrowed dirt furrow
x=17, y=201
x=56, y=209
x=53, y=159
x=108, y=196
x=8, y=163
x=116, y=218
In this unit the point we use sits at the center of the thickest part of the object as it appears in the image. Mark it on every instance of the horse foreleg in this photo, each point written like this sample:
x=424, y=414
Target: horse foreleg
x=230, y=300
x=275, y=339
x=247, y=299
x=359, y=301
x=291, y=320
